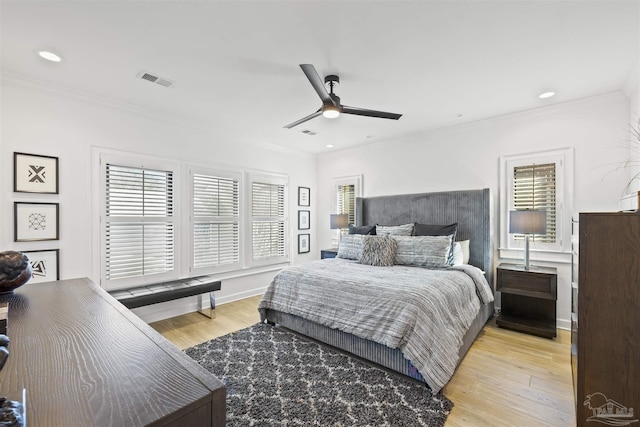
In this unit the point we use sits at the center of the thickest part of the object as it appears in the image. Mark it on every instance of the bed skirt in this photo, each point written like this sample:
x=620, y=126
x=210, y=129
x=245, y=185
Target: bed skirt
x=380, y=354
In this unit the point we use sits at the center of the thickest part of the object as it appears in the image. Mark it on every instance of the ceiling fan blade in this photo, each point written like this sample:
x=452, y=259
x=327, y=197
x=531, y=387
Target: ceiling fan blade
x=304, y=119
x=370, y=113
x=317, y=83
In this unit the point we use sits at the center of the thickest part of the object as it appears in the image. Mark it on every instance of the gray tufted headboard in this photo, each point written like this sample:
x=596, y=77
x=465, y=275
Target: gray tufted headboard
x=471, y=209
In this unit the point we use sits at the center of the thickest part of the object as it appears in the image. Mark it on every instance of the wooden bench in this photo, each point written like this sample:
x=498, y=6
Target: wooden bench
x=167, y=291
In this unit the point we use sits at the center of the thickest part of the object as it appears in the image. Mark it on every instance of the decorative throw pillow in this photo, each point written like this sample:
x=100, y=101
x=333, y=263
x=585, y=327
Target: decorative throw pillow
x=423, y=251
x=350, y=246
x=394, y=230
x=365, y=229
x=379, y=251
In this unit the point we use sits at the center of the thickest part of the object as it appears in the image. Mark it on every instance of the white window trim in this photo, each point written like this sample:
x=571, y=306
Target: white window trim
x=140, y=161
x=268, y=178
x=223, y=174
x=561, y=251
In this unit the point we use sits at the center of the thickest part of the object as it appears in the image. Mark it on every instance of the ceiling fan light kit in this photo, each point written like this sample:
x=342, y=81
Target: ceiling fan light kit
x=331, y=106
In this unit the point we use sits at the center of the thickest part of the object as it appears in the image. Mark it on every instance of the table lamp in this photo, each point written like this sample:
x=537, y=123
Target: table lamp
x=339, y=222
x=527, y=222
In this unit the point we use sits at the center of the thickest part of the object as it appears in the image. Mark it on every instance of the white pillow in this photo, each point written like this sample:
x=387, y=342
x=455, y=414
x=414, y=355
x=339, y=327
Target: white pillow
x=464, y=244
x=461, y=253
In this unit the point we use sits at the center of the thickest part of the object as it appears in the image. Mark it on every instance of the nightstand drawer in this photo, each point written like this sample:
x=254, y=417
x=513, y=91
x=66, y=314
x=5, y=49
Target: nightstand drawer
x=529, y=283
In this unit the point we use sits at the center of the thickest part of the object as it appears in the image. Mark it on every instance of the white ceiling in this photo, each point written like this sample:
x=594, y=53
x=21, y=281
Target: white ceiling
x=235, y=63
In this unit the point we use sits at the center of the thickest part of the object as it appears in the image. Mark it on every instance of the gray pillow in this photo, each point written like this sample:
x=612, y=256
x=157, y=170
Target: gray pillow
x=435, y=230
x=423, y=251
x=365, y=229
x=394, y=230
x=350, y=246
x=378, y=251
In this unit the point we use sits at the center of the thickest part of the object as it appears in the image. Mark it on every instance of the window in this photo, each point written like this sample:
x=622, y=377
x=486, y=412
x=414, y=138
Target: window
x=268, y=220
x=139, y=230
x=215, y=221
x=346, y=190
x=542, y=181
x=534, y=187
x=161, y=220
x=347, y=201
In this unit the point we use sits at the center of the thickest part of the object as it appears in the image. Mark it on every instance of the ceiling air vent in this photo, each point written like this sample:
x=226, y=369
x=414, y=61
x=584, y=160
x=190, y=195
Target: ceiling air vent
x=155, y=79
x=309, y=132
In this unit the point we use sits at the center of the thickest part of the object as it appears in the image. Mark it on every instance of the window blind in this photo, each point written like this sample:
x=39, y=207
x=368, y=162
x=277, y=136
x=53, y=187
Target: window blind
x=534, y=187
x=139, y=225
x=347, y=201
x=268, y=220
x=216, y=221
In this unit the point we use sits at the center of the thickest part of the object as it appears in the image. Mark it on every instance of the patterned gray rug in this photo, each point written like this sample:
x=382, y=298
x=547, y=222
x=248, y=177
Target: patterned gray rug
x=276, y=378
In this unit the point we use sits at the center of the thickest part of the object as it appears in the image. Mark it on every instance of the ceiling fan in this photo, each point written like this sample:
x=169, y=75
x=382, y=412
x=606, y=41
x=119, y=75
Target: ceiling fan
x=331, y=107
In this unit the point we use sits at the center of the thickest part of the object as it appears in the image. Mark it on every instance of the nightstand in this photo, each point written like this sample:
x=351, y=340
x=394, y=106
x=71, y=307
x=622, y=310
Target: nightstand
x=328, y=253
x=528, y=299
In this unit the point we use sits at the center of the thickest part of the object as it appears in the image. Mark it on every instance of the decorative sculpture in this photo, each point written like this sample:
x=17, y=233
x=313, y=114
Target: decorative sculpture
x=15, y=270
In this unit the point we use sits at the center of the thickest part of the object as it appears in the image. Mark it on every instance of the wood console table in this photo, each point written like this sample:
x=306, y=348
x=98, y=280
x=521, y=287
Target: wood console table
x=86, y=360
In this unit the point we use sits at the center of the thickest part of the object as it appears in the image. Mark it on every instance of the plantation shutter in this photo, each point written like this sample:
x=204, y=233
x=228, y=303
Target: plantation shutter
x=139, y=223
x=216, y=221
x=534, y=187
x=268, y=220
x=346, y=201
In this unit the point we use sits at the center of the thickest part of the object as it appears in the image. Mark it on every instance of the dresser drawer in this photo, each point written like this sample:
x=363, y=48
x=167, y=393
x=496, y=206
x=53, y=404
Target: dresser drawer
x=527, y=283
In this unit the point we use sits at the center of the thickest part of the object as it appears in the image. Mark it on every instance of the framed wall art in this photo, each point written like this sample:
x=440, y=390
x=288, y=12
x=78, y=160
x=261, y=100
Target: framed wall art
x=35, y=221
x=304, y=196
x=304, y=220
x=33, y=173
x=304, y=243
x=45, y=265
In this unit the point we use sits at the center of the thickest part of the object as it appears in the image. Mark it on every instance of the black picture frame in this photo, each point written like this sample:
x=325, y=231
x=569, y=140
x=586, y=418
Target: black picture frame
x=304, y=220
x=45, y=265
x=304, y=196
x=35, y=173
x=34, y=222
x=304, y=243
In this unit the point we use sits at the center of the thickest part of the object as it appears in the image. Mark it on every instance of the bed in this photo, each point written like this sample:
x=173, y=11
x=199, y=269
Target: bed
x=387, y=315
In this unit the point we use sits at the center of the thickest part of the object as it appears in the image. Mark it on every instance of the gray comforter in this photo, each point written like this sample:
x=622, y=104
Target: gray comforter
x=423, y=312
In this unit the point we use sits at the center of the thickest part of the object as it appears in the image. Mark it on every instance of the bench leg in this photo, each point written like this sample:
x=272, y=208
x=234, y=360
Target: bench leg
x=207, y=306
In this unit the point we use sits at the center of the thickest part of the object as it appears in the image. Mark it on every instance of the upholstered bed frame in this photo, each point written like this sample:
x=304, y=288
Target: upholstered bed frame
x=471, y=209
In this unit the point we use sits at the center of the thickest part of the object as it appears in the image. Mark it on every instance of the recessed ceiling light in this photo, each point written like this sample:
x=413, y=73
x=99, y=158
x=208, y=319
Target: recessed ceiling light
x=49, y=56
x=329, y=145
x=545, y=95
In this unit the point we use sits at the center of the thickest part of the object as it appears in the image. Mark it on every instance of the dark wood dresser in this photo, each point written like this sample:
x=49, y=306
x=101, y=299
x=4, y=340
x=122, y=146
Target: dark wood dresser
x=86, y=360
x=606, y=323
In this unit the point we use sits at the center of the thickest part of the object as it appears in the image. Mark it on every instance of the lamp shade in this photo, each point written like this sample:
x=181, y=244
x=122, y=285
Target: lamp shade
x=528, y=222
x=339, y=221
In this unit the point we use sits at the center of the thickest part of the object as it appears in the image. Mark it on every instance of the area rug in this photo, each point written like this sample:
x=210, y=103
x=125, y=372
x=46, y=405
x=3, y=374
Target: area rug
x=277, y=378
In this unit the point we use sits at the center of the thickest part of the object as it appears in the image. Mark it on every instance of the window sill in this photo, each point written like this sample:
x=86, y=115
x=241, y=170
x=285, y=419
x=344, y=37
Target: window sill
x=556, y=257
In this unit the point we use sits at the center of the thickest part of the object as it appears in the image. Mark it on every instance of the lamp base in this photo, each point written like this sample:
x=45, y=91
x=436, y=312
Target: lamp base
x=527, y=265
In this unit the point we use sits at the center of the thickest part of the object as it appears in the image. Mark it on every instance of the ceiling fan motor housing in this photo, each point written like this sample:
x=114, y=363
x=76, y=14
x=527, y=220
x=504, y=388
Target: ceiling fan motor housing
x=332, y=78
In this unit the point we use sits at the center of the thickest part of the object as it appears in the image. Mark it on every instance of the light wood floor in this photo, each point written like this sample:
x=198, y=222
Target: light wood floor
x=506, y=379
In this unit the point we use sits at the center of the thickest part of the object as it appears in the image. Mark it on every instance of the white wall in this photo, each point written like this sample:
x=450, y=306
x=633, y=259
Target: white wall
x=632, y=91
x=466, y=157
x=51, y=122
